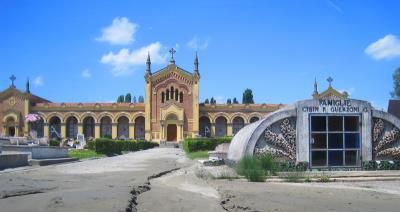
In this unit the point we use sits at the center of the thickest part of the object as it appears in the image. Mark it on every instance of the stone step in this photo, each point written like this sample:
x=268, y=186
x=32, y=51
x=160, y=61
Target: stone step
x=46, y=162
x=169, y=144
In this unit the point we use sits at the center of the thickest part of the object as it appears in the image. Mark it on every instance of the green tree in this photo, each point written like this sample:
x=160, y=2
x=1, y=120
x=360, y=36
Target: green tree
x=235, y=101
x=121, y=98
x=128, y=98
x=134, y=99
x=207, y=101
x=396, y=84
x=212, y=101
x=248, y=96
x=141, y=99
x=229, y=101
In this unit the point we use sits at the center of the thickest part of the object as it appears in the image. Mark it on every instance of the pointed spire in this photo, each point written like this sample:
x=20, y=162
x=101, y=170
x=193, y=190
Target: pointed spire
x=196, y=64
x=315, y=93
x=315, y=86
x=27, y=86
x=148, y=64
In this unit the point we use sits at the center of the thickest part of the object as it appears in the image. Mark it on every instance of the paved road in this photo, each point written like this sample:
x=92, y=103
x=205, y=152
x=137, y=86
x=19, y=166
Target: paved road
x=118, y=183
x=93, y=185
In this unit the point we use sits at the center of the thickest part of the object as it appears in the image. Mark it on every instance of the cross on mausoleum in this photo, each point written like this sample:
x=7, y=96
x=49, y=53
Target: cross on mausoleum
x=12, y=78
x=330, y=80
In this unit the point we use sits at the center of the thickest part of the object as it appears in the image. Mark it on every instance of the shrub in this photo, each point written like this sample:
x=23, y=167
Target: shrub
x=110, y=146
x=54, y=142
x=268, y=163
x=251, y=168
x=381, y=165
x=202, y=144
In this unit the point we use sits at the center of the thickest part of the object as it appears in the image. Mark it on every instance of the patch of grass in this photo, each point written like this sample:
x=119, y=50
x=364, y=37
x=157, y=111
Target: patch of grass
x=252, y=168
x=294, y=177
x=199, y=154
x=325, y=179
x=84, y=153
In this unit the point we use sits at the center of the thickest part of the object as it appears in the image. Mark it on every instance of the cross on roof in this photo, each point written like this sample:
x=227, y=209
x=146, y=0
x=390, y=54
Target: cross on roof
x=172, y=51
x=330, y=80
x=12, y=78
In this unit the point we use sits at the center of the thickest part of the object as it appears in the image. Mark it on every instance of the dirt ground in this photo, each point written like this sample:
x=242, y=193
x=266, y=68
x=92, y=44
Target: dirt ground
x=165, y=180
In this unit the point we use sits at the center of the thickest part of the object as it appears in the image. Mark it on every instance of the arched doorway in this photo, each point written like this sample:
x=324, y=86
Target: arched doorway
x=105, y=127
x=11, y=127
x=237, y=124
x=72, y=127
x=55, y=127
x=88, y=127
x=221, y=126
x=172, y=132
x=139, y=128
x=205, y=127
x=123, y=128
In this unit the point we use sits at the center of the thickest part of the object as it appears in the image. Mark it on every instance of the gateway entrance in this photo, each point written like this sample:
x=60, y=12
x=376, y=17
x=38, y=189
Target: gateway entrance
x=335, y=141
x=171, y=132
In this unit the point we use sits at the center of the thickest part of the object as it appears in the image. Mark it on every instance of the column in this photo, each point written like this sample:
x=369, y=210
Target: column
x=46, y=130
x=114, y=133
x=212, y=133
x=162, y=133
x=97, y=130
x=178, y=133
x=16, y=131
x=26, y=124
x=229, y=130
x=148, y=109
x=80, y=128
x=132, y=130
x=63, y=130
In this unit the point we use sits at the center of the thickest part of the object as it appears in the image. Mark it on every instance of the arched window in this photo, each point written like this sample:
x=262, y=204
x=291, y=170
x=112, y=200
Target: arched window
x=105, y=127
x=172, y=92
x=181, y=97
x=72, y=127
x=123, y=128
x=139, y=128
x=162, y=97
x=167, y=96
x=221, y=126
x=55, y=127
x=238, y=123
x=176, y=94
x=88, y=127
x=254, y=119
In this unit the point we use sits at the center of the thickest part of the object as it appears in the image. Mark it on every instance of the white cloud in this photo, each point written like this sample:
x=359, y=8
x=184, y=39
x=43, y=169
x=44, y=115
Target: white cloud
x=124, y=61
x=120, y=32
x=86, y=73
x=384, y=48
x=38, y=81
x=196, y=44
x=334, y=6
x=220, y=99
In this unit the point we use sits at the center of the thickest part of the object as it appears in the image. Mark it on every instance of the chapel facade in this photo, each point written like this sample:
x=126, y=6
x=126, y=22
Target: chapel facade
x=171, y=112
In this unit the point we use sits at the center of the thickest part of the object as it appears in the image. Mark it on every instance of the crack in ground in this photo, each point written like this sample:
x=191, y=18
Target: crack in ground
x=228, y=204
x=137, y=190
x=17, y=193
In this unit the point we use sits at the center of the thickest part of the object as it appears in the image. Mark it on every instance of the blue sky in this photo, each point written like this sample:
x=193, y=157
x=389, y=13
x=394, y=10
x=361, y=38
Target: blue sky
x=93, y=51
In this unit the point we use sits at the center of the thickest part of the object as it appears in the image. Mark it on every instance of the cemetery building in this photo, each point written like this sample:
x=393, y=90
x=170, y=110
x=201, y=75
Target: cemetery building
x=170, y=112
x=330, y=130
